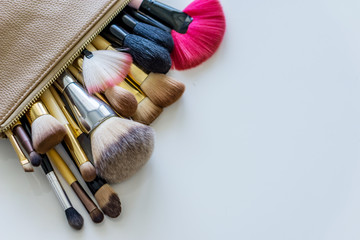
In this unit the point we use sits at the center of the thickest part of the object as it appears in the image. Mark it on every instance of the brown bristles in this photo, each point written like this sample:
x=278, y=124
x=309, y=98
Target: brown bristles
x=108, y=201
x=120, y=147
x=97, y=216
x=146, y=112
x=27, y=167
x=162, y=90
x=47, y=132
x=87, y=171
x=123, y=101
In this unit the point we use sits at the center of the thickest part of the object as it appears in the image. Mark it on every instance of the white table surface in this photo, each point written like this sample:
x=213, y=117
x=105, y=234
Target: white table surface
x=264, y=144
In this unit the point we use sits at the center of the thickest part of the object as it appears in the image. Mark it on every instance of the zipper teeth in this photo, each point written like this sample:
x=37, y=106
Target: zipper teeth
x=62, y=69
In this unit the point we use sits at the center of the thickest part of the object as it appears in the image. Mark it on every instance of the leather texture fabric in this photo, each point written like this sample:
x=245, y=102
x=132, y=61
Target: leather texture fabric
x=35, y=37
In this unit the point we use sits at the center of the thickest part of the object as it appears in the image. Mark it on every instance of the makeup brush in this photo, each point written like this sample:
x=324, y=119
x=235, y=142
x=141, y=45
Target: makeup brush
x=95, y=214
x=87, y=170
x=121, y=100
x=146, y=111
x=103, y=69
x=198, y=30
x=119, y=146
x=74, y=218
x=161, y=89
x=148, y=31
x=46, y=130
x=26, y=143
x=148, y=55
x=105, y=196
x=146, y=19
x=25, y=163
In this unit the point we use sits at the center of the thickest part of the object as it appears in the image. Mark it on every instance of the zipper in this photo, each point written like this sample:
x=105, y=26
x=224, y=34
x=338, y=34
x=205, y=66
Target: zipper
x=63, y=68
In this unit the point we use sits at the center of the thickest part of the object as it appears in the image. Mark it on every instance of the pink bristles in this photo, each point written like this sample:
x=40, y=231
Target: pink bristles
x=203, y=36
x=105, y=69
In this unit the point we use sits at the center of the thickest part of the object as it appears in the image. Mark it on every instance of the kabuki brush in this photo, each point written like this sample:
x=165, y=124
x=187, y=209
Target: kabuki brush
x=119, y=146
x=197, y=31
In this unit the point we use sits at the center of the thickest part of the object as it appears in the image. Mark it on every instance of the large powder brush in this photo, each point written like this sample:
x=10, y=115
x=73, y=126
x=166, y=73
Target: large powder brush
x=119, y=146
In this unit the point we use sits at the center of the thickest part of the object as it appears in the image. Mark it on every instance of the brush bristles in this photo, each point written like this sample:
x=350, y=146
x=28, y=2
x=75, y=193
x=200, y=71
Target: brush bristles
x=47, y=132
x=108, y=201
x=105, y=69
x=123, y=101
x=27, y=167
x=146, y=112
x=120, y=147
x=148, y=55
x=74, y=218
x=155, y=34
x=87, y=171
x=203, y=36
x=35, y=159
x=97, y=216
x=162, y=90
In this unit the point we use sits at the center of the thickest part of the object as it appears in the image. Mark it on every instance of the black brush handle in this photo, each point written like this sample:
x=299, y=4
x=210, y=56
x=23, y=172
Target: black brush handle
x=174, y=18
x=118, y=32
x=46, y=165
x=146, y=19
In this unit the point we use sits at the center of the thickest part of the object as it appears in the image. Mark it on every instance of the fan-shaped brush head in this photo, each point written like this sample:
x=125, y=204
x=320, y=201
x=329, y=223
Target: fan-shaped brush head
x=103, y=69
x=47, y=132
x=120, y=147
x=162, y=90
x=203, y=36
x=146, y=112
x=123, y=101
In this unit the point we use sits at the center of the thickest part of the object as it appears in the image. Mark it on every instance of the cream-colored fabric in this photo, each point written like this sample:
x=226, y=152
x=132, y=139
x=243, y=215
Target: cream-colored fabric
x=35, y=37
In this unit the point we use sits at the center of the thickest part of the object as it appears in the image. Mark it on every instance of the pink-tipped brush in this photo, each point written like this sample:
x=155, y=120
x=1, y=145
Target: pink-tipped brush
x=104, y=69
x=197, y=31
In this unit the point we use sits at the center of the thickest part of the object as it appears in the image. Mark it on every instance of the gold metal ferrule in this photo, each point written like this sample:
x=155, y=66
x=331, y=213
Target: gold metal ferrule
x=37, y=110
x=138, y=75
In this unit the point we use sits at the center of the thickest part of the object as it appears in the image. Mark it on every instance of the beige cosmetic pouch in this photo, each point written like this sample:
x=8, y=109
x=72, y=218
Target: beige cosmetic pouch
x=38, y=41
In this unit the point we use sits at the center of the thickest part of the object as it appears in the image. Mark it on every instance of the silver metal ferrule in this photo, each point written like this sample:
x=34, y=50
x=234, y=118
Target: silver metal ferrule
x=88, y=110
x=59, y=191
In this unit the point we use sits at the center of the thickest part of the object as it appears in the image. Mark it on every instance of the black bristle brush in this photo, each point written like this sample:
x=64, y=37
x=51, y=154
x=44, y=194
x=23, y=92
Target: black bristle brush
x=74, y=218
x=145, y=53
x=147, y=31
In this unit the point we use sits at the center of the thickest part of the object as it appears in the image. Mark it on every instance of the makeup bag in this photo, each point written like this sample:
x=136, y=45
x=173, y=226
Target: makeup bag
x=38, y=41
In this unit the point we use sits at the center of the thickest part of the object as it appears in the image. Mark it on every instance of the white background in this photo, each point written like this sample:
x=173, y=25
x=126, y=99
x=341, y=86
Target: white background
x=264, y=144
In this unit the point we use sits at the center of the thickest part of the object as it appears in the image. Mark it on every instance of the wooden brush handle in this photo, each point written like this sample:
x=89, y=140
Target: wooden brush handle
x=23, y=138
x=61, y=166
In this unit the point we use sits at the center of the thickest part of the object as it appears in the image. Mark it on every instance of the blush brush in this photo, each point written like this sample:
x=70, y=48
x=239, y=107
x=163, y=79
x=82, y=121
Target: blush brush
x=197, y=31
x=119, y=146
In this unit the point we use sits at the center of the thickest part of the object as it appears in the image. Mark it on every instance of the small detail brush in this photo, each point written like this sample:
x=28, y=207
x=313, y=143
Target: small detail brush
x=120, y=99
x=95, y=214
x=25, y=163
x=119, y=146
x=26, y=143
x=74, y=218
x=198, y=30
x=87, y=170
x=148, y=55
x=103, y=69
x=46, y=130
x=161, y=89
x=105, y=196
x=149, y=32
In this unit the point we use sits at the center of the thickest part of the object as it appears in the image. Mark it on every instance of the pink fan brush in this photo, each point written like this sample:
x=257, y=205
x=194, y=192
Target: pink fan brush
x=197, y=31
